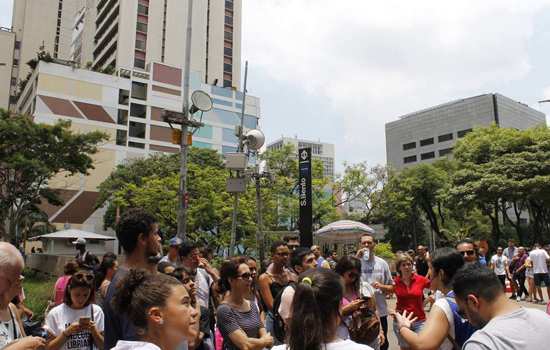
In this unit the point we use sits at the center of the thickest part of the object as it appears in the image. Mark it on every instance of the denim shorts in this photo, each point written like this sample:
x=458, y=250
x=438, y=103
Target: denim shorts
x=415, y=327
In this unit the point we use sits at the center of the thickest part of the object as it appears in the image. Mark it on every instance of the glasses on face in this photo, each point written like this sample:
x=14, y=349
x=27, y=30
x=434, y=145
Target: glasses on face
x=81, y=276
x=468, y=252
x=245, y=276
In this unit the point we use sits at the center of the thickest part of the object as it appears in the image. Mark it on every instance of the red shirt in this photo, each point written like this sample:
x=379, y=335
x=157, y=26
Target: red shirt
x=411, y=298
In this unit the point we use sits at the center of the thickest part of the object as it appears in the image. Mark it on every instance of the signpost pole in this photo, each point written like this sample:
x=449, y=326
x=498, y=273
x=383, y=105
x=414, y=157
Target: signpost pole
x=306, y=211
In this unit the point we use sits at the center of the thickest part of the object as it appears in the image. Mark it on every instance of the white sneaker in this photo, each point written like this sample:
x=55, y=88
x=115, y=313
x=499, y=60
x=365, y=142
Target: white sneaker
x=518, y=299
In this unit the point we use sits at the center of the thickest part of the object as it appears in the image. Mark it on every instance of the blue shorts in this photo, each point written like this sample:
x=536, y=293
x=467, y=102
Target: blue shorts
x=415, y=327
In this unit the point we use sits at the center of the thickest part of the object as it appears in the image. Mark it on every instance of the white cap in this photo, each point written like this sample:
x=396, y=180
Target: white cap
x=80, y=241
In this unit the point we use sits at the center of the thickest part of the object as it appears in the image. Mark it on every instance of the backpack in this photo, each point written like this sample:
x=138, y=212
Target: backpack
x=279, y=329
x=463, y=328
x=365, y=326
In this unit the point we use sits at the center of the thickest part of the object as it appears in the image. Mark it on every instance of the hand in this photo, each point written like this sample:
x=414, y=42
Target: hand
x=431, y=299
x=73, y=328
x=204, y=263
x=404, y=320
x=268, y=340
x=353, y=306
x=30, y=343
x=376, y=285
x=381, y=338
x=361, y=251
x=90, y=326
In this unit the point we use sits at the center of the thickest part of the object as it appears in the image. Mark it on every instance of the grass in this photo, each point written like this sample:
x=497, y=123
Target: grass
x=38, y=290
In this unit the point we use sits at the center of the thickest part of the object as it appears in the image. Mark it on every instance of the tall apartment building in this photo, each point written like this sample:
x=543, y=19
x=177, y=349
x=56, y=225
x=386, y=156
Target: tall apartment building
x=40, y=23
x=430, y=134
x=7, y=43
x=319, y=150
x=83, y=31
x=128, y=106
x=131, y=33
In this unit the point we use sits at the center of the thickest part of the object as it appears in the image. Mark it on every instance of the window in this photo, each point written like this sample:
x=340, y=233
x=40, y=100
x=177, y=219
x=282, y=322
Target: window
x=138, y=111
x=463, y=133
x=122, y=118
x=409, y=145
x=17, y=45
x=140, y=44
x=143, y=10
x=427, y=142
x=446, y=137
x=141, y=27
x=136, y=144
x=228, y=35
x=410, y=159
x=228, y=149
x=139, y=90
x=121, y=137
x=250, y=121
x=227, y=51
x=428, y=155
x=13, y=81
x=137, y=130
x=228, y=135
x=445, y=151
x=139, y=63
x=228, y=20
x=15, y=62
x=227, y=83
x=227, y=68
x=123, y=97
x=222, y=102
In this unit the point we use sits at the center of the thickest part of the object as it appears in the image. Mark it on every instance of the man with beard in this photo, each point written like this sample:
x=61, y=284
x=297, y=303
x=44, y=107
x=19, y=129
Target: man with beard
x=506, y=325
x=137, y=233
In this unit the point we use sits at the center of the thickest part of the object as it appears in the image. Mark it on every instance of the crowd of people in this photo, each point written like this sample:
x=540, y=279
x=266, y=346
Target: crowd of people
x=450, y=298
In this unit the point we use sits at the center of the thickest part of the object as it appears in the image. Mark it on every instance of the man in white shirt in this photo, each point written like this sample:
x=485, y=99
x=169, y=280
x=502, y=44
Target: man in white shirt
x=504, y=324
x=540, y=259
x=499, y=264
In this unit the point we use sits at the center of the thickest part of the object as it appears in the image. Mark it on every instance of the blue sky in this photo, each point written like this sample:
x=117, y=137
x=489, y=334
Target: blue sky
x=339, y=73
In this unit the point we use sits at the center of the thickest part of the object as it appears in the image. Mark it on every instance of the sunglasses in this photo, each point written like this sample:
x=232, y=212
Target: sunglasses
x=468, y=252
x=245, y=276
x=83, y=277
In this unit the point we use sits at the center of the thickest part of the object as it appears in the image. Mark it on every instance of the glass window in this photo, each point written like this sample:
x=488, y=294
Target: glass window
x=139, y=90
x=463, y=133
x=141, y=27
x=139, y=63
x=239, y=95
x=227, y=51
x=227, y=67
x=136, y=144
x=216, y=90
x=222, y=116
x=428, y=155
x=222, y=102
x=250, y=121
x=227, y=83
x=239, y=106
x=200, y=144
x=410, y=159
x=138, y=111
x=204, y=132
x=446, y=137
x=228, y=135
x=122, y=118
x=229, y=20
x=143, y=10
x=228, y=149
x=444, y=152
x=409, y=145
x=228, y=35
x=140, y=44
x=427, y=142
x=121, y=136
x=137, y=130
x=123, y=97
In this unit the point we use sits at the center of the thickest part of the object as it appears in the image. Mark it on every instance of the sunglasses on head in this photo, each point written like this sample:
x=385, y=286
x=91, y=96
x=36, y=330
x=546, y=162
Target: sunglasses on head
x=81, y=276
x=468, y=252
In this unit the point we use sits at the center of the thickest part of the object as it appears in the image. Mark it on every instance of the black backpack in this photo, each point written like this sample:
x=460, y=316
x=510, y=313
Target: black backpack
x=279, y=329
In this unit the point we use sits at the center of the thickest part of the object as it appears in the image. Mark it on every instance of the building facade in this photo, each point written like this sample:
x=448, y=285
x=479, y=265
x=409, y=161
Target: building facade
x=319, y=150
x=128, y=106
x=430, y=134
x=130, y=33
x=7, y=43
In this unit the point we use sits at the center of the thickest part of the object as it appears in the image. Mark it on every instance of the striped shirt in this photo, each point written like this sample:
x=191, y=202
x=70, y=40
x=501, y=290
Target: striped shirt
x=230, y=320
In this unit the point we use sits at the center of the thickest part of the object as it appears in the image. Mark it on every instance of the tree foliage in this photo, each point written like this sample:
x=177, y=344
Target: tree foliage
x=30, y=155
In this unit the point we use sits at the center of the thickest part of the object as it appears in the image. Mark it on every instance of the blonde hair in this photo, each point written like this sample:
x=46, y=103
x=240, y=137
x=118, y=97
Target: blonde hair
x=10, y=257
x=401, y=258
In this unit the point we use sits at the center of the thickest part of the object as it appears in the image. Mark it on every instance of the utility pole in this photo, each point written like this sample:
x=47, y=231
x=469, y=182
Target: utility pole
x=239, y=149
x=259, y=224
x=183, y=195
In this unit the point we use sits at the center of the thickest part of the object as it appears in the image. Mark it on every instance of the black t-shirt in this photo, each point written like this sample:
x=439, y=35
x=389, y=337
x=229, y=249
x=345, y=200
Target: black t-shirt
x=117, y=326
x=422, y=267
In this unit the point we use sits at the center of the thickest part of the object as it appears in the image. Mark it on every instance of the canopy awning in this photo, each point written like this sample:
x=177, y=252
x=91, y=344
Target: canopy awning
x=343, y=230
x=74, y=234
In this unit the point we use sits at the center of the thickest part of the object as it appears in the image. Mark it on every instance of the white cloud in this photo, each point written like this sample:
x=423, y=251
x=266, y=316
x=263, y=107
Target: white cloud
x=375, y=60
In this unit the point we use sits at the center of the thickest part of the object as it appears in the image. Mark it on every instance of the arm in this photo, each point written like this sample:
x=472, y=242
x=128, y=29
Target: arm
x=99, y=340
x=26, y=343
x=209, y=269
x=432, y=335
x=243, y=342
x=58, y=342
x=264, y=282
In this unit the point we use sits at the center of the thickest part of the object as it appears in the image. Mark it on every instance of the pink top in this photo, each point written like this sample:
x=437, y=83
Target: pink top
x=60, y=286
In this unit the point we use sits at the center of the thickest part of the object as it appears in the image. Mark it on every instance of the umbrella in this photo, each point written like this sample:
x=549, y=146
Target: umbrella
x=343, y=231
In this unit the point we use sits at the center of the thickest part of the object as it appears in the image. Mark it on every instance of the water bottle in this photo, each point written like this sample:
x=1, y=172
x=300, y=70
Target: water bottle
x=366, y=255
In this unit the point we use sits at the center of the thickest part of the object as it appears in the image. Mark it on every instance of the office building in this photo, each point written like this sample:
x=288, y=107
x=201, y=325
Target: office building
x=430, y=134
x=128, y=106
x=319, y=150
x=83, y=31
x=130, y=33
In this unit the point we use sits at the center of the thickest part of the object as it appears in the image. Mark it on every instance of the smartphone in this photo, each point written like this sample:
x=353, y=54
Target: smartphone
x=84, y=321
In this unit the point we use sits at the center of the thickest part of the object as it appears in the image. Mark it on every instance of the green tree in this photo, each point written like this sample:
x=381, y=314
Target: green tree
x=30, y=155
